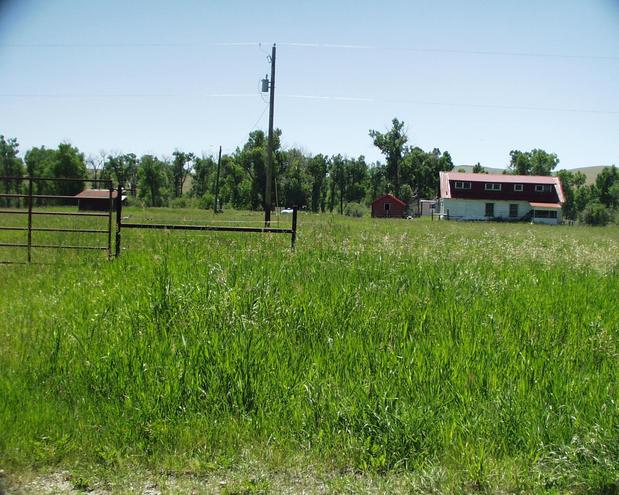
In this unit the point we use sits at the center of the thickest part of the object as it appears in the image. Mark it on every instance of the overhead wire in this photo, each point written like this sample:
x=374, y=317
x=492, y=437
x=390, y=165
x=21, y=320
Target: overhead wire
x=326, y=98
x=294, y=44
x=343, y=98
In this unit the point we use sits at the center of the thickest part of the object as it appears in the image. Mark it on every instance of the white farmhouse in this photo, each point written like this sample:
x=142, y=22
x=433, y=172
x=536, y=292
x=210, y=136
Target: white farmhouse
x=468, y=196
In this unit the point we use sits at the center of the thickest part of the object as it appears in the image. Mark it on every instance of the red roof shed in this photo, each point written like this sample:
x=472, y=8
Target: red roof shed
x=97, y=199
x=388, y=206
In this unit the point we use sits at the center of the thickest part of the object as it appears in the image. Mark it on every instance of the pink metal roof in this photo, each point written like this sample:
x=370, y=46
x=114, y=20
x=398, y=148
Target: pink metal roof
x=546, y=205
x=444, y=185
x=445, y=177
x=503, y=178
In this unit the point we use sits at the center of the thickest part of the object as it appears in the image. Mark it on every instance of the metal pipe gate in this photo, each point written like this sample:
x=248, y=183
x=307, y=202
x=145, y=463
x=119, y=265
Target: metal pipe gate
x=32, y=211
x=212, y=228
x=113, y=203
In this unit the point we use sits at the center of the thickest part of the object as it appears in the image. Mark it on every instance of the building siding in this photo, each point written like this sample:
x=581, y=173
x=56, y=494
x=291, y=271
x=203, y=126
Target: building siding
x=396, y=208
x=507, y=193
x=475, y=209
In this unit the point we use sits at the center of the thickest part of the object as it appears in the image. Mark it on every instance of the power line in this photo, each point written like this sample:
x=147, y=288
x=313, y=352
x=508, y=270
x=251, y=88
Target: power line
x=351, y=99
x=343, y=46
x=450, y=50
x=127, y=95
x=259, y=118
x=451, y=104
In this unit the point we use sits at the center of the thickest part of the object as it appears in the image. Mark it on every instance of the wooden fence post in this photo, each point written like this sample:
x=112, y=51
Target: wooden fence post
x=294, y=226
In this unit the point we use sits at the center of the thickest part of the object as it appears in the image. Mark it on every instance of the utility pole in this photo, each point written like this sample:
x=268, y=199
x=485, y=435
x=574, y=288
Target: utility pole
x=215, y=206
x=269, y=170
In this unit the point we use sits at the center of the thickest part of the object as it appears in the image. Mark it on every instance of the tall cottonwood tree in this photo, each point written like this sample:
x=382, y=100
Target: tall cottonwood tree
x=392, y=145
x=68, y=162
x=534, y=162
x=317, y=168
x=10, y=165
x=181, y=167
x=123, y=169
x=152, y=180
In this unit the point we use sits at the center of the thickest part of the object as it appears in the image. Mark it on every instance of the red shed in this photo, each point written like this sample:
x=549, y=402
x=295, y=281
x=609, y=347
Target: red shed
x=388, y=206
x=97, y=199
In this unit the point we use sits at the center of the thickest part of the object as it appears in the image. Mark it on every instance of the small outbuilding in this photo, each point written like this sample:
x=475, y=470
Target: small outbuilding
x=427, y=207
x=388, y=206
x=97, y=199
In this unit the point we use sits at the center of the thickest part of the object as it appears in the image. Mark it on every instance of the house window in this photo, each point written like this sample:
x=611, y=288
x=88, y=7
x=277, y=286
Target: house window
x=513, y=211
x=387, y=205
x=463, y=185
x=489, y=209
x=492, y=187
x=543, y=188
x=518, y=187
x=545, y=214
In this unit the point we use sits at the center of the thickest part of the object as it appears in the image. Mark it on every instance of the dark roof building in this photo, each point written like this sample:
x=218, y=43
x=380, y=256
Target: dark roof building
x=97, y=199
x=388, y=206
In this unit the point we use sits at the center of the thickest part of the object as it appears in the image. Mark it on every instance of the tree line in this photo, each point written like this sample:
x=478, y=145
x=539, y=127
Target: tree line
x=596, y=203
x=318, y=183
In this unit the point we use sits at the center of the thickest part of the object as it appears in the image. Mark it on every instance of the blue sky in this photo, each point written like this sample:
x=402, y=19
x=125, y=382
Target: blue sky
x=475, y=78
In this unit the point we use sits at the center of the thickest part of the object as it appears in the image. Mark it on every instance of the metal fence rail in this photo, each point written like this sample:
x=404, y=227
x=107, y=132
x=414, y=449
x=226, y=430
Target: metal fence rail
x=267, y=229
x=30, y=198
x=32, y=211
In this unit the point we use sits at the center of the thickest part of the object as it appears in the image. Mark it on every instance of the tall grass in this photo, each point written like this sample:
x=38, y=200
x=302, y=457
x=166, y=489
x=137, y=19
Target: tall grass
x=376, y=346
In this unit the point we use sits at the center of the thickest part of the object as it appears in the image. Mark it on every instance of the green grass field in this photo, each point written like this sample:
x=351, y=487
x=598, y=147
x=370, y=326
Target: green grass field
x=380, y=355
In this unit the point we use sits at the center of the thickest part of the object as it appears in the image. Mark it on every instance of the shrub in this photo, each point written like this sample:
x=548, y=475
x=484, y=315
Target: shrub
x=595, y=213
x=354, y=210
x=178, y=203
x=134, y=201
x=206, y=201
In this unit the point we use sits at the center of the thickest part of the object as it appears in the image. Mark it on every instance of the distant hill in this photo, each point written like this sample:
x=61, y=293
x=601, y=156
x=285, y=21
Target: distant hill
x=590, y=172
x=469, y=168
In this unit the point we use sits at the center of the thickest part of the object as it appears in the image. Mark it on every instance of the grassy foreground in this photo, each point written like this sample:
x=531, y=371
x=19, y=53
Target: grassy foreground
x=449, y=357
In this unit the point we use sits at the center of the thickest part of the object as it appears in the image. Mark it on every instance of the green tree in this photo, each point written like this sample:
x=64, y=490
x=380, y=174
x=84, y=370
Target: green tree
x=357, y=177
x=478, y=169
x=152, y=180
x=595, y=213
x=377, y=183
x=122, y=169
x=68, y=162
x=181, y=168
x=607, y=183
x=252, y=159
x=534, y=162
x=10, y=166
x=584, y=195
x=420, y=169
x=294, y=184
x=407, y=195
x=392, y=145
x=571, y=182
x=317, y=168
x=39, y=164
x=204, y=171
x=338, y=180
x=235, y=182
